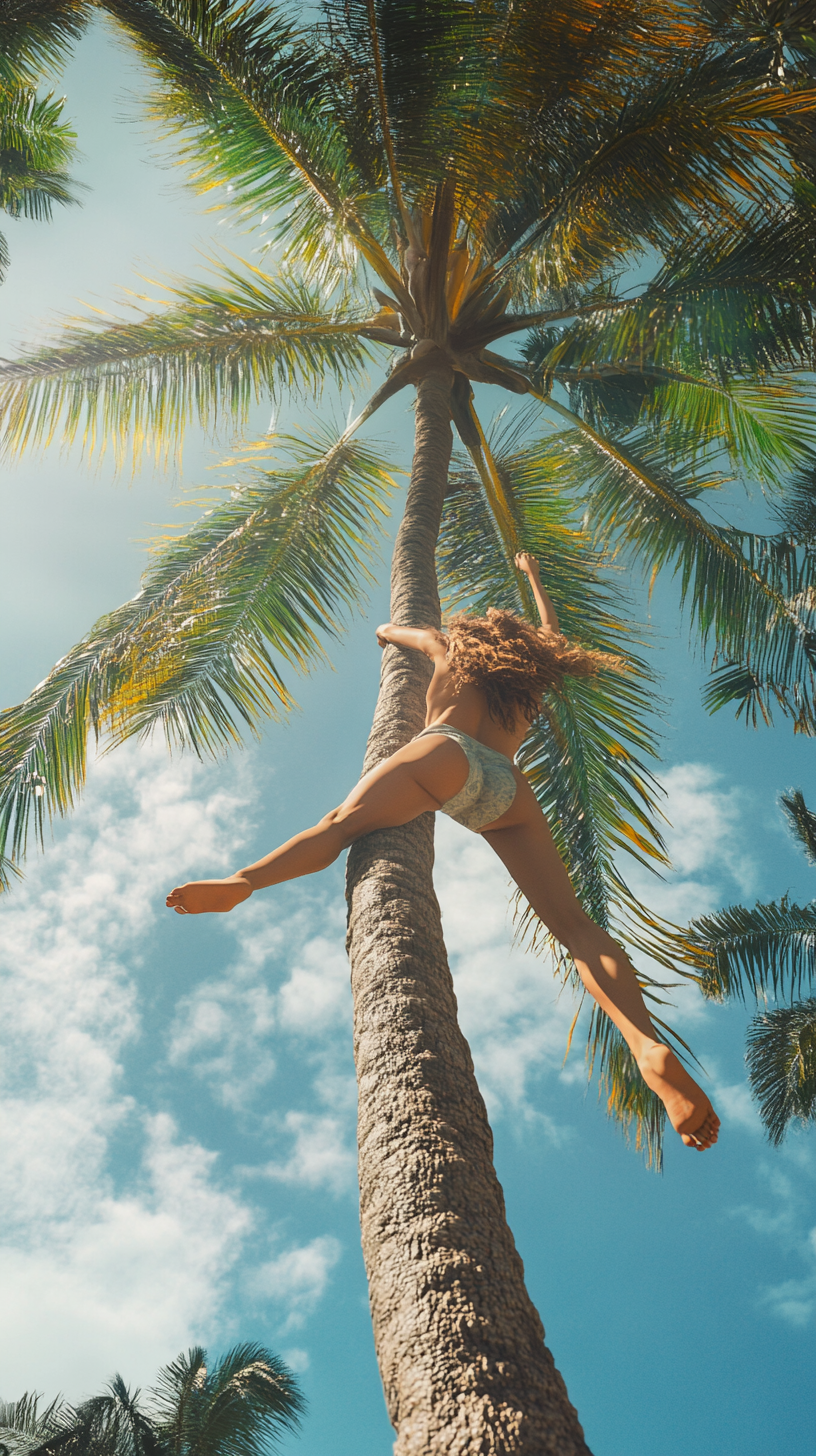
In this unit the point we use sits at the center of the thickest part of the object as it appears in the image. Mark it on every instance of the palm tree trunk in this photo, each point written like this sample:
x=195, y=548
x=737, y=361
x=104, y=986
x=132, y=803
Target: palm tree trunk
x=459, y=1343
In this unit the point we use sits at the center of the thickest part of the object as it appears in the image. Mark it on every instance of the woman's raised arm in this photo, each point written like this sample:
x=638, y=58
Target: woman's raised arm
x=529, y=566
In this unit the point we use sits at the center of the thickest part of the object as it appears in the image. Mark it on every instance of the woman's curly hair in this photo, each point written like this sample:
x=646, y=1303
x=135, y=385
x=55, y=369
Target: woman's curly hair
x=514, y=663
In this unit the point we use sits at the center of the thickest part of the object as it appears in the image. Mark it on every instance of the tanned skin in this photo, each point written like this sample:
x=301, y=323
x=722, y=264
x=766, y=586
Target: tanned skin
x=424, y=775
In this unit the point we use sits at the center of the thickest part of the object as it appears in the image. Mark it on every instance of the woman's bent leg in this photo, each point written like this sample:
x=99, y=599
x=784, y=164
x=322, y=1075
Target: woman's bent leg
x=522, y=840
x=413, y=781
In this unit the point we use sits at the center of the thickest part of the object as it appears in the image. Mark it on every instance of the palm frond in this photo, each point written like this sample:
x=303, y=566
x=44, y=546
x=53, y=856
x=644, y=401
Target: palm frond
x=767, y=429
x=215, y=351
x=692, y=143
x=247, y=97
x=802, y=821
x=733, y=299
x=199, y=650
x=781, y=1060
x=239, y=1406
x=24, y=1425
x=36, y=36
x=732, y=583
x=754, y=950
x=111, y=1424
x=36, y=146
x=796, y=509
x=631, y=1104
x=774, y=673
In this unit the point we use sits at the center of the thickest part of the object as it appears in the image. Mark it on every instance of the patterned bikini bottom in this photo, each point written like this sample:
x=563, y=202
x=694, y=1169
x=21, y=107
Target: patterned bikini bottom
x=489, y=788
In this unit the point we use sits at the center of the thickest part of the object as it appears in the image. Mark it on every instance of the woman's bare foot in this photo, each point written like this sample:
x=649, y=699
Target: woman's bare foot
x=214, y=896
x=689, y=1110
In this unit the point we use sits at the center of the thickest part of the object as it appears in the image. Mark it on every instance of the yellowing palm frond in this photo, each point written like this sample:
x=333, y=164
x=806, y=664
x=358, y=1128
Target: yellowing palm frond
x=214, y=352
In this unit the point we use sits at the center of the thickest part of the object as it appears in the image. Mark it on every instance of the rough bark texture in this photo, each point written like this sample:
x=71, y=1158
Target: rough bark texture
x=459, y=1343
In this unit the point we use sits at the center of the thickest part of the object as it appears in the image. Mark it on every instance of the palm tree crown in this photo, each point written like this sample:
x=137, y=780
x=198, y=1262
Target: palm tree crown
x=240, y=1405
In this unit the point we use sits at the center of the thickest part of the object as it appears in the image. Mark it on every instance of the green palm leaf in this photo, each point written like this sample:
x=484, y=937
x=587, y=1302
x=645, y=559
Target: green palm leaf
x=249, y=98
x=782, y=1066
x=252, y=585
x=239, y=1406
x=23, y=1425
x=637, y=501
x=767, y=429
x=733, y=300
x=214, y=352
x=36, y=146
x=755, y=950
x=695, y=405
x=769, y=949
x=802, y=821
x=36, y=36
x=691, y=144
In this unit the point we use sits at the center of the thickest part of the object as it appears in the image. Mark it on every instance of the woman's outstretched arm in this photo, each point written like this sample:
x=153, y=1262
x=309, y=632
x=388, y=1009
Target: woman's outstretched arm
x=529, y=566
x=425, y=639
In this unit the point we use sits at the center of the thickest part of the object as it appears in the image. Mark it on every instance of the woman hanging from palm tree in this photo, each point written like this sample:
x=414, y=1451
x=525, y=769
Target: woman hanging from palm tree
x=488, y=679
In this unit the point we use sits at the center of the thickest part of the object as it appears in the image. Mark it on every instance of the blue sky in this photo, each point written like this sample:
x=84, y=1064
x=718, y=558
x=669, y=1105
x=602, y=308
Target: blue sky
x=178, y=1096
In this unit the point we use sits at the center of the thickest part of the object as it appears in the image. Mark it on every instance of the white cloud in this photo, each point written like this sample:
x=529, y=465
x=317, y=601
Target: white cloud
x=706, y=832
x=319, y=1156
x=735, y=1104
x=317, y=995
x=223, y=1033
x=297, y=1359
x=95, y=1272
x=793, y=1301
x=297, y=1278
x=126, y=1283
x=706, y=842
x=286, y=984
x=786, y=1221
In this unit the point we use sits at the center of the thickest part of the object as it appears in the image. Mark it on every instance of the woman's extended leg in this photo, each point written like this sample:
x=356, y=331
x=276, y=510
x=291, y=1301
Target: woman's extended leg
x=522, y=840
x=418, y=778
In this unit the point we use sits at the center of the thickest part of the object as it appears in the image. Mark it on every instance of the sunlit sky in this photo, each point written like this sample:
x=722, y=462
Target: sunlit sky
x=178, y=1096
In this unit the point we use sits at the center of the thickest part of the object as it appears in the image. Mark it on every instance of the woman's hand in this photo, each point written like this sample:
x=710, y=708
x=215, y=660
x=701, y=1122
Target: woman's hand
x=383, y=637
x=528, y=564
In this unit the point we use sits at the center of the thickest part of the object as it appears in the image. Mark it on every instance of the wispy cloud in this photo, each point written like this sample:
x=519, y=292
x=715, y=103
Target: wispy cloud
x=784, y=1216
x=320, y=1155
x=296, y=1279
x=109, y=1259
x=706, y=840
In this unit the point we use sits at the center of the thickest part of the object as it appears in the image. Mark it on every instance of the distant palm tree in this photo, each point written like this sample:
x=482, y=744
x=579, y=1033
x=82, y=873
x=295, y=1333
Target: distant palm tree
x=240, y=1406
x=36, y=145
x=630, y=188
x=769, y=950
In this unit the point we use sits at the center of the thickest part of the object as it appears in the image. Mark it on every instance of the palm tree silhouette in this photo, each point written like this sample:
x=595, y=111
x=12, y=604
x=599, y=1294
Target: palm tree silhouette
x=239, y=1406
